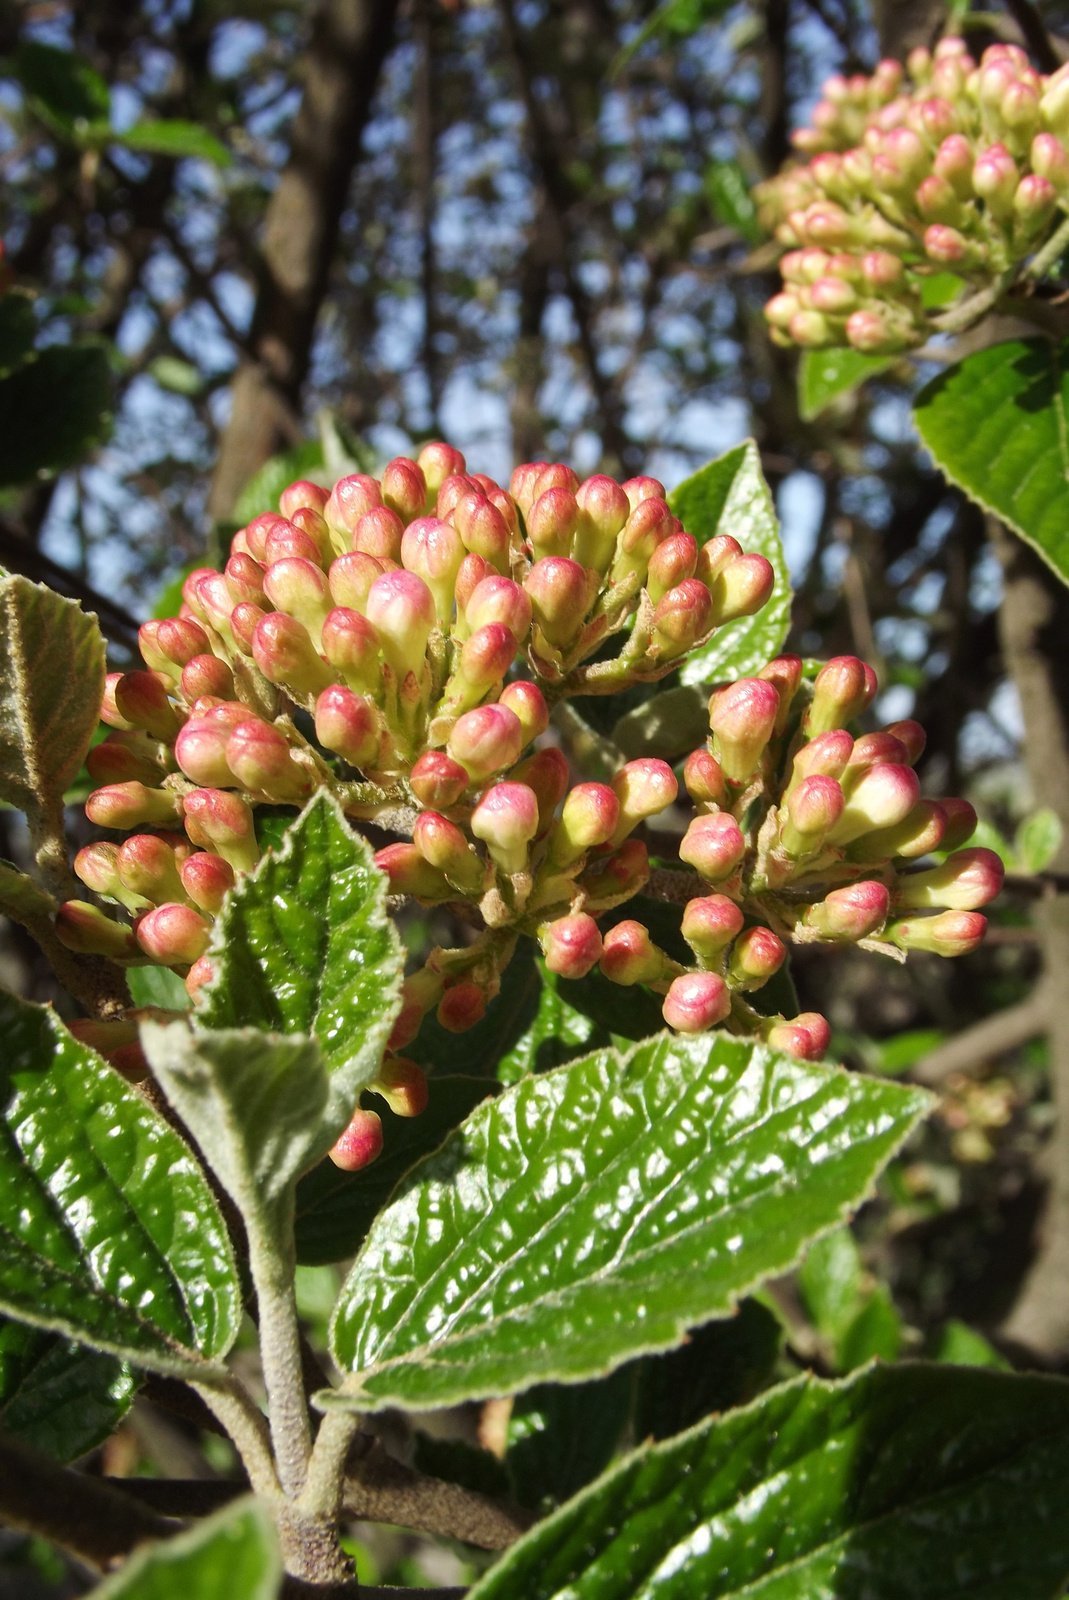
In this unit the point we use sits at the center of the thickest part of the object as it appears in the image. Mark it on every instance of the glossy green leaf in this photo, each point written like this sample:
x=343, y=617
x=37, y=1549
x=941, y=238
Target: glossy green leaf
x=108, y=1230
x=67, y=89
x=876, y=1331
x=830, y=1282
x=18, y=329
x=721, y=1365
x=53, y=411
x=157, y=986
x=233, y=1555
x=171, y=137
x=1038, y=840
x=335, y=1209
x=824, y=375
x=923, y=1482
x=477, y=1052
x=558, y=1033
x=731, y=200
x=730, y=495
x=596, y=1212
x=559, y=1437
x=304, y=945
x=962, y=1346
x=996, y=425
x=61, y=1398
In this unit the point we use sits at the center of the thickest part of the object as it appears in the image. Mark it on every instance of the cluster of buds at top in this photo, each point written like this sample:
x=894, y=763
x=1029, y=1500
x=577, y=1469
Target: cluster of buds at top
x=965, y=168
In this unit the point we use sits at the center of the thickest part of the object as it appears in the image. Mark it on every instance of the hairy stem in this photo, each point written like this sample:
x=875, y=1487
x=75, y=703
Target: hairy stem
x=271, y=1262
x=322, y=1490
x=242, y=1419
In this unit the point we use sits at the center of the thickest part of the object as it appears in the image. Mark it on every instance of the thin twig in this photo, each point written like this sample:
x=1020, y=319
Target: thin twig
x=231, y=1402
x=985, y=1041
x=379, y=1489
x=1054, y=247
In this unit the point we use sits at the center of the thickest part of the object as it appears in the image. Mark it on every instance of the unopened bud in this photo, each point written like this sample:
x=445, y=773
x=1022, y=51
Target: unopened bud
x=713, y=845
x=842, y=689
x=245, y=580
x=911, y=736
x=400, y=608
x=360, y=1144
x=351, y=646
x=629, y=956
x=403, y=1086
x=851, y=913
x=410, y=872
x=179, y=639
x=437, y=780
x=433, y=550
x=486, y=740
x=995, y=177
x=284, y=653
x=206, y=675
x=647, y=526
x=206, y=878
x=483, y=530
x=244, y=620
x=215, y=602
x=742, y=717
x=785, y=672
x=404, y=488
x=672, y=563
x=696, y=1001
x=485, y=657
x=350, y=579
x=173, y=935
x=644, y=788
x=299, y=588
x=639, y=489
x=142, y=700
x=812, y=810
x=756, y=956
x=506, y=819
x=124, y=758
x=462, y=1006
x=716, y=554
x=965, y=881
x=806, y=1036
x=954, y=162
x=952, y=933
x=571, y=945
x=682, y=617
x=348, y=501
x=496, y=599
x=347, y=724
x=828, y=754
x=590, y=815
x=443, y=844
x=923, y=830
x=883, y=796
x=260, y=757
x=528, y=702
x=302, y=495
x=1033, y=206
x=704, y=778
x=190, y=590
x=220, y=821
x=710, y=922
x=610, y=880
x=86, y=929
x=132, y=805
x=560, y=594
x=147, y=866
x=378, y=533
x=437, y=462
x=605, y=510
x=546, y=772
x=961, y=823
x=253, y=537
x=1051, y=161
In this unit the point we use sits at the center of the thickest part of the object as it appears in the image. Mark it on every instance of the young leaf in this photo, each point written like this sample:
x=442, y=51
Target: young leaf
x=57, y=1396
x=730, y=495
x=171, y=137
x=924, y=1481
x=876, y=1331
x=1038, y=839
x=596, y=1212
x=53, y=410
x=335, y=1209
x=996, y=425
x=830, y=1282
x=731, y=200
x=108, y=1230
x=67, y=89
x=233, y=1555
x=823, y=375
x=962, y=1346
x=304, y=945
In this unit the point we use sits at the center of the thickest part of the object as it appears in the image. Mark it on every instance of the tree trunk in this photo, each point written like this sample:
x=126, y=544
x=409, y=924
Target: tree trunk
x=349, y=42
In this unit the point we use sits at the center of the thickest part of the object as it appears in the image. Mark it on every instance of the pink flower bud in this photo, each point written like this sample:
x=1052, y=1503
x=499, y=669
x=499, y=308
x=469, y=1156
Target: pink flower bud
x=937, y=202
x=347, y=724
x=682, y=617
x=873, y=750
x=552, y=523
x=880, y=270
x=1033, y=206
x=696, y=1001
x=151, y=655
x=351, y=646
x=672, y=563
x=639, y=489
x=302, y=494
x=842, y=689
x=97, y=867
x=442, y=843
x=453, y=490
x=710, y=923
x=141, y=699
x=215, y=602
x=245, y=580
x=378, y=533
x=756, y=956
x=173, y=935
x=146, y=865
x=410, y=872
x=923, y=830
x=206, y=878
x=528, y=702
x=206, y=675
x=743, y=718
x=191, y=587
x=785, y=672
x=244, y=620
x=360, y=1144
x=871, y=332
x=704, y=778
x=404, y=488
x=853, y=912
x=437, y=462
x=523, y=481
x=348, y=501
x=497, y=599
x=939, y=119
x=883, y=796
x=256, y=533
x=911, y=736
x=571, y=945
x=629, y=956
x=437, y=780
x=829, y=753
x=560, y=593
x=647, y=526
x=806, y=1036
x=299, y=589
x=713, y=845
x=285, y=655
x=994, y=179
x=485, y=657
x=605, y=509
x=462, y=1006
x=86, y=929
x=483, y=530
x=403, y=1086
x=952, y=933
x=742, y=588
x=486, y=740
x=179, y=639
x=954, y=161
x=400, y=607
x=132, y=805
x=832, y=295
x=546, y=772
x=1050, y=161
x=471, y=572
x=350, y=579
x=222, y=822
x=781, y=310
x=590, y=815
x=961, y=823
x=812, y=810
x=433, y=550
x=260, y=758
x=965, y=881
x=643, y=788
x=506, y=819
x=115, y=760
x=556, y=476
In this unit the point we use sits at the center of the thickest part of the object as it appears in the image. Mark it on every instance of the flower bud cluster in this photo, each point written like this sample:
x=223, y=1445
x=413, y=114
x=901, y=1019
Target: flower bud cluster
x=965, y=168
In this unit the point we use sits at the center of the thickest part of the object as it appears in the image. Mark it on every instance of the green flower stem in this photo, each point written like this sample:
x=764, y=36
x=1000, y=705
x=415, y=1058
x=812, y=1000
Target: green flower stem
x=1055, y=246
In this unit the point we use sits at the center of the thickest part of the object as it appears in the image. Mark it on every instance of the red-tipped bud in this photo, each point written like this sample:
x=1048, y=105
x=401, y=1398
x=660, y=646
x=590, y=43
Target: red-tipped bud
x=441, y=842
x=244, y=620
x=201, y=972
x=742, y=588
x=713, y=845
x=404, y=488
x=132, y=805
x=911, y=736
x=486, y=740
x=506, y=820
x=639, y=489
x=923, y=830
x=560, y=593
x=191, y=590
x=696, y=1001
x=682, y=617
x=245, y=580
x=151, y=654
x=349, y=499
x=952, y=933
x=611, y=880
x=1051, y=161
x=756, y=956
x=284, y=653
x=873, y=750
x=644, y=788
x=200, y=751
x=842, y=689
x=147, y=866
x=173, y=935
x=498, y=599
x=806, y=1036
x=97, y=866
x=546, y=772
x=219, y=821
x=360, y=1144
x=260, y=758
x=571, y=945
x=206, y=878
x=812, y=810
x=301, y=495
x=743, y=719
x=437, y=780
x=715, y=555
x=206, y=675
x=629, y=956
x=462, y=1006
x=347, y=724
x=673, y=562
x=400, y=608
x=704, y=778
x=648, y=525
x=433, y=550
x=605, y=510
x=961, y=823
x=853, y=912
x=591, y=813
x=410, y=872
x=437, y=462
x=483, y=530
x=124, y=758
x=180, y=639
x=882, y=797
x=485, y=657
x=299, y=589
x=473, y=570
x=257, y=531
x=214, y=602
x=351, y=646
x=88, y=931
x=995, y=176
x=528, y=702
x=965, y=881
x=828, y=754
x=556, y=476
x=454, y=489
x=142, y=700
x=403, y=1086
x=710, y=923
x=378, y=533
x=523, y=481
x=785, y=672
x=350, y=579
